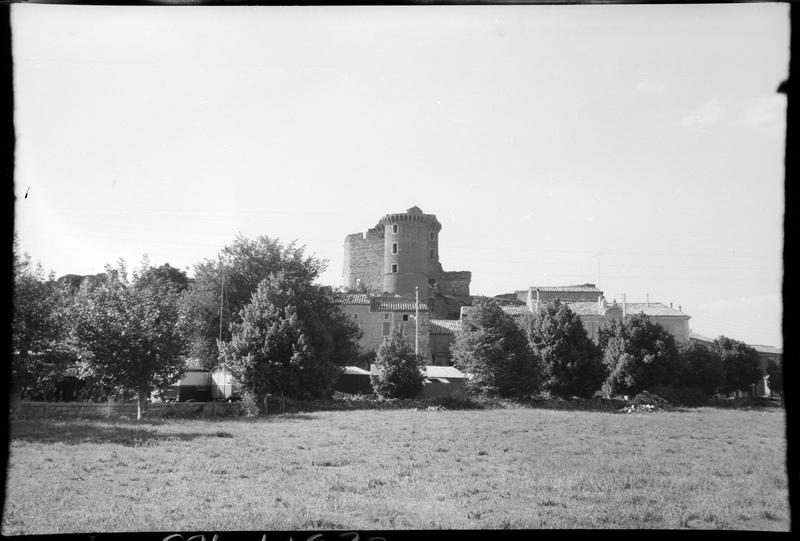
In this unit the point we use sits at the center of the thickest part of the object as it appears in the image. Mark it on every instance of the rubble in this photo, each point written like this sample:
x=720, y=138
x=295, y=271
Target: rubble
x=646, y=402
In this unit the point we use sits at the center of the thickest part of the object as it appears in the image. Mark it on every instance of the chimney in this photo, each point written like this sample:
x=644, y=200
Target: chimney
x=648, y=298
x=670, y=305
x=679, y=308
x=599, y=302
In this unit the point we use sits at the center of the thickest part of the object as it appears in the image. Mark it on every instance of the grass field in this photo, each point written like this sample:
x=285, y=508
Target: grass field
x=514, y=468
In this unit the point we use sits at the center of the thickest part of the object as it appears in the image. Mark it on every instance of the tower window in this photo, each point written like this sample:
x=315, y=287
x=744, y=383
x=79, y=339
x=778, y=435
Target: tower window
x=432, y=253
x=432, y=235
x=394, y=247
x=385, y=316
x=394, y=228
x=394, y=268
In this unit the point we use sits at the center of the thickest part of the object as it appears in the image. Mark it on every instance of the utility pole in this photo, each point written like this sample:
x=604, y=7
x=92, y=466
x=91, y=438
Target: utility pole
x=221, y=296
x=416, y=321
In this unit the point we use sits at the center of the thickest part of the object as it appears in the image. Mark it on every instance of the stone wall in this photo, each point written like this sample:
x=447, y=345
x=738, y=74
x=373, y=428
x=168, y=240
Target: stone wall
x=117, y=409
x=363, y=259
x=455, y=283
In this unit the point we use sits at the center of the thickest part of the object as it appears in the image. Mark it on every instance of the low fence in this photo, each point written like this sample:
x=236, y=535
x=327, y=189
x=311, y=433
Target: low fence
x=128, y=409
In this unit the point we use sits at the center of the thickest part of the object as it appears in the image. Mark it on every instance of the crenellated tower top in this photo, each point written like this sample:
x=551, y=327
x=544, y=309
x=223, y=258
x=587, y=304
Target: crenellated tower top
x=414, y=215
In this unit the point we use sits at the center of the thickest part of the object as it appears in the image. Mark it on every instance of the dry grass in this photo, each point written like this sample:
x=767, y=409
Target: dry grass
x=515, y=468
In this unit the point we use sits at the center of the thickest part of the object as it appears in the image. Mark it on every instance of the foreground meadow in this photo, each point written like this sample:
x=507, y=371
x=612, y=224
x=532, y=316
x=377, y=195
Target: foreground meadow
x=514, y=468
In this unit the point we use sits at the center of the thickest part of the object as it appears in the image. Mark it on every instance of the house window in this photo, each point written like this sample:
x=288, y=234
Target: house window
x=355, y=316
x=386, y=328
x=394, y=228
x=432, y=253
x=405, y=317
x=394, y=247
x=394, y=268
x=385, y=316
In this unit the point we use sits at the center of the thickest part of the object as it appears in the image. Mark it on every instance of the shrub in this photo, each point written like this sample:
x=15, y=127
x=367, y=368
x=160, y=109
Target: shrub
x=399, y=374
x=248, y=405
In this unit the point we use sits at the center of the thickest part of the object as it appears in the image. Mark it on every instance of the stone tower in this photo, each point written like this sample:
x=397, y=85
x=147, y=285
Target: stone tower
x=410, y=252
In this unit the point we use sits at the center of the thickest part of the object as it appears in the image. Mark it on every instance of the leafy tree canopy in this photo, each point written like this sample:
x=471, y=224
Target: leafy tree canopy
x=704, y=368
x=167, y=273
x=638, y=354
x=495, y=351
x=41, y=356
x=130, y=335
x=288, y=339
x=399, y=374
x=242, y=266
x=571, y=364
x=740, y=363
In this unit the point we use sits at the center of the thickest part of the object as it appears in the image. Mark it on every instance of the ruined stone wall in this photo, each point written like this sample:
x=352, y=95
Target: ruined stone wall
x=455, y=283
x=363, y=259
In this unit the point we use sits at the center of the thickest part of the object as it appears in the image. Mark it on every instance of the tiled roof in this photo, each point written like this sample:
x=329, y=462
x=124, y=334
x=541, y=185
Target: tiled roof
x=700, y=337
x=591, y=308
x=653, y=309
x=352, y=298
x=767, y=349
x=444, y=326
x=444, y=372
x=585, y=308
x=393, y=304
x=354, y=370
x=758, y=347
x=447, y=372
x=583, y=288
x=515, y=311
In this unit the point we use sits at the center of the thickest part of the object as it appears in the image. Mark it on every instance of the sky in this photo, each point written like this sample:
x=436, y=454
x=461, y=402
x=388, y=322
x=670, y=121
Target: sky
x=636, y=147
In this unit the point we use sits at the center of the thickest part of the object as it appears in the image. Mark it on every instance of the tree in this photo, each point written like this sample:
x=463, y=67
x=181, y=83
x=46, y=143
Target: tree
x=398, y=367
x=130, y=335
x=40, y=352
x=740, y=363
x=494, y=350
x=570, y=363
x=703, y=368
x=167, y=273
x=639, y=354
x=233, y=278
x=775, y=373
x=288, y=339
